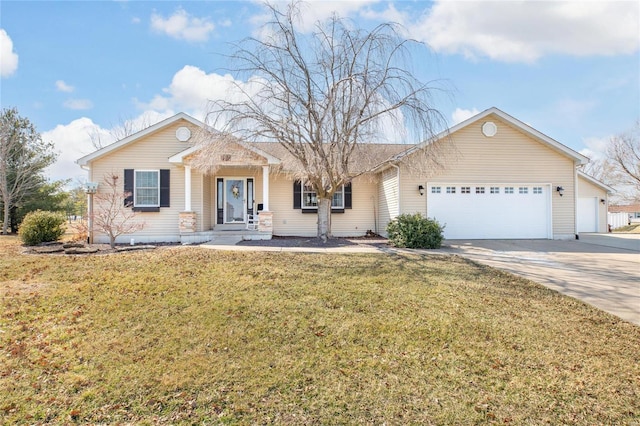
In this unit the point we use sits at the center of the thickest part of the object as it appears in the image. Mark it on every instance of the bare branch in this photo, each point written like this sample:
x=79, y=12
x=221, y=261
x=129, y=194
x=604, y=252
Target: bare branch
x=325, y=95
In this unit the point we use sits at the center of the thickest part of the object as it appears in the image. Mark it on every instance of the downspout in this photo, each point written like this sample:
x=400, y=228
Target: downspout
x=398, y=189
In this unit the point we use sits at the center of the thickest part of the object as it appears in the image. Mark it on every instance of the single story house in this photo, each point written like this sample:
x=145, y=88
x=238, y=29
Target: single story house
x=504, y=180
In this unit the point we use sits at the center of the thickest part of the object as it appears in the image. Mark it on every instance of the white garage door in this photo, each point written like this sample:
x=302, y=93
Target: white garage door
x=491, y=211
x=588, y=214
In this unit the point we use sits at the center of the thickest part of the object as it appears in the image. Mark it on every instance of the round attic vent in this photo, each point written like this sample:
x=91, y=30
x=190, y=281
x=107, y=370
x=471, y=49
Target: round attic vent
x=183, y=134
x=489, y=129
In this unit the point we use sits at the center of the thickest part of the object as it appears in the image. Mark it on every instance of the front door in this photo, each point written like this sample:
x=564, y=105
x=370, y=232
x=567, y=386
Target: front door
x=234, y=203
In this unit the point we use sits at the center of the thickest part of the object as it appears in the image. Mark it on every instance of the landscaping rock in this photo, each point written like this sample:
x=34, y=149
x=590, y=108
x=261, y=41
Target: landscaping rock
x=81, y=250
x=131, y=248
x=48, y=249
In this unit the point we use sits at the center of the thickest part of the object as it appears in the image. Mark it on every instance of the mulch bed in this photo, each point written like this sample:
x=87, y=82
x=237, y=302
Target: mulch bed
x=315, y=242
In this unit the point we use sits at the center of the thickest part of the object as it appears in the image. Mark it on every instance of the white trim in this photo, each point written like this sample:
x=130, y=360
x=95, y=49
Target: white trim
x=179, y=157
x=265, y=188
x=595, y=182
x=83, y=161
x=135, y=187
x=187, y=188
x=525, y=128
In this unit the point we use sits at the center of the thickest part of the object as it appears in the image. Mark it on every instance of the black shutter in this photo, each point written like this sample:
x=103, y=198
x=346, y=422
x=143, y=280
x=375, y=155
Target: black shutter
x=219, y=201
x=128, y=187
x=297, y=194
x=347, y=196
x=165, y=184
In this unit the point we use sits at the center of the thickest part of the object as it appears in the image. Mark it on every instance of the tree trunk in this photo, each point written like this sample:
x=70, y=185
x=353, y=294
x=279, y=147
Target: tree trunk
x=5, y=220
x=324, y=219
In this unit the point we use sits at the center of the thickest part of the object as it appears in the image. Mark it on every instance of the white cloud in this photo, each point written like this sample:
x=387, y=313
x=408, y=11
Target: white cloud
x=8, y=58
x=135, y=20
x=183, y=26
x=75, y=140
x=78, y=104
x=72, y=141
x=524, y=31
x=459, y=115
x=61, y=86
x=596, y=148
x=191, y=89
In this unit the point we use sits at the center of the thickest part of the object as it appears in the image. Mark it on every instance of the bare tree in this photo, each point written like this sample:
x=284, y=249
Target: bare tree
x=623, y=153
x=124, y=128
x=109, y=215
x=23, y=157
x=322, y=96
x=620, y=168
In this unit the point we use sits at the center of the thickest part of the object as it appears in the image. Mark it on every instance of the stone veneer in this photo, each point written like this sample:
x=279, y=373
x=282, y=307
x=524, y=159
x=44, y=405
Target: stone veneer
x=265, y=222
x=187, y=222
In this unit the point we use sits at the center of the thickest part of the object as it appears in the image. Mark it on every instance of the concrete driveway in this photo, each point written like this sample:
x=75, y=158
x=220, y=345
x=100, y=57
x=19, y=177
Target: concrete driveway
x=605, y=277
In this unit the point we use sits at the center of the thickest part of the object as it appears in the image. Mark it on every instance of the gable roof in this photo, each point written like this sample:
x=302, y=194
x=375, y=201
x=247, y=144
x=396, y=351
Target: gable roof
x=83, y=161
x=595, y=182
x=523, y=127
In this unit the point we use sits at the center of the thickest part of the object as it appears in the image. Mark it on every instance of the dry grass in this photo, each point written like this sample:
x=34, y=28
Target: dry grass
x=186, y=335
x=634, y=228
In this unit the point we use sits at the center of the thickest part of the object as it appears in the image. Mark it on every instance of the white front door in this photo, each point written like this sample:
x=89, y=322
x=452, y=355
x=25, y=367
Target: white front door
x=234, y=201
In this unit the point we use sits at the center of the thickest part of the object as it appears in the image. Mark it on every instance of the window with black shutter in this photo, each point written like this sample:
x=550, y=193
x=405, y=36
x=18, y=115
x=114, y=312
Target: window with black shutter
x=147, y=190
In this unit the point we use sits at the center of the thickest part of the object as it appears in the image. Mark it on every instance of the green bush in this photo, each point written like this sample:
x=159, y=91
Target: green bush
x=41, y=227
x=415, y=231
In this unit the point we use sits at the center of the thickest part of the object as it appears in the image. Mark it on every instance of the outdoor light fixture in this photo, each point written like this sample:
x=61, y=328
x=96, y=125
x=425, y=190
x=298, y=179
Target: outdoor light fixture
x=560, y=190
x=602, y=200
x=421, y=189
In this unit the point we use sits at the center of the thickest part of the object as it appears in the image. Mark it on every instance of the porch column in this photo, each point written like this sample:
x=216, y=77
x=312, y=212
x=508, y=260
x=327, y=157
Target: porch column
x=187, y=188
x=265, y=188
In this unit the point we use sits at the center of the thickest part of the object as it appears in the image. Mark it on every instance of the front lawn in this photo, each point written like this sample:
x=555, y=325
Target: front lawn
x=187, y=335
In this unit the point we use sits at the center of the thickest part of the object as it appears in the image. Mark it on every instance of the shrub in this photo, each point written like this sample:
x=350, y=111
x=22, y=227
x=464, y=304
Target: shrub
x=415, y=231
x=41, y=227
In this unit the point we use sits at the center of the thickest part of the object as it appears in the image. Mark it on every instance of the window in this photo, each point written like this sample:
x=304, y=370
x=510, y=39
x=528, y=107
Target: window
x=537, y=190
x=508, y=189
x=523, y=190
x=465, y=190
x=435, y=189
x=146, y=190
x=479, y=189
x=451, y=189
x=494, y=190
x=309, y=199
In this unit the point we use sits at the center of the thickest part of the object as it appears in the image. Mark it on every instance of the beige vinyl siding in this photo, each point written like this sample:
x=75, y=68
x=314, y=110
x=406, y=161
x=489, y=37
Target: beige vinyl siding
x=152, y=153
x=208, y=208
x=356, y=221
x=389, y=198
x=510, y=157
x=587, y=189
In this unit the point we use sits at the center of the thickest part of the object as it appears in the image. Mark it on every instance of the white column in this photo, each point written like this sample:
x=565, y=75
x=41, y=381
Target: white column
x=187, y=188
x=265, y=188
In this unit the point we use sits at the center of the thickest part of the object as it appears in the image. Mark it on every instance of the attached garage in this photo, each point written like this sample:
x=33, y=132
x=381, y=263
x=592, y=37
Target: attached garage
x=588, y=214
x=489, y=211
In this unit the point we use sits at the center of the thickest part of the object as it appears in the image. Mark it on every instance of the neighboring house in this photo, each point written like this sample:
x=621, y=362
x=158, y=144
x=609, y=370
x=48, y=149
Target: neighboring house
x=633, y=210
x=504, y=180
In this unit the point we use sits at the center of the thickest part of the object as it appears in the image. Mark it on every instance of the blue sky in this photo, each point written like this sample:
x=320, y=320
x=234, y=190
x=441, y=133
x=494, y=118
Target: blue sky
x=76, y=68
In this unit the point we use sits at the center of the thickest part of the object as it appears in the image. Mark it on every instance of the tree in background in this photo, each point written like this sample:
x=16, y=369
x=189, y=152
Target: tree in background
x=322, y=96
x=620, y=168
x=23, y=158
x=46, y=196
